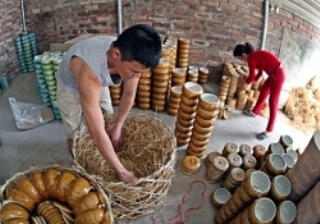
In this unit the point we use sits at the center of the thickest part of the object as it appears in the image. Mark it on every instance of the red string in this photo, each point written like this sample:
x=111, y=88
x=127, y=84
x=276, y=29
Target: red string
x=179, y=207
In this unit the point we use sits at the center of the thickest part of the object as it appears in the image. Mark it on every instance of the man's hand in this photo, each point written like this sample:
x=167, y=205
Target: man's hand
x=127, y=177
x=115, y=137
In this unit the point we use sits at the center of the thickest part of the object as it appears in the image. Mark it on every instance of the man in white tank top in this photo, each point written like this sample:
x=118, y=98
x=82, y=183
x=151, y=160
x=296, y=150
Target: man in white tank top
x=98, y=62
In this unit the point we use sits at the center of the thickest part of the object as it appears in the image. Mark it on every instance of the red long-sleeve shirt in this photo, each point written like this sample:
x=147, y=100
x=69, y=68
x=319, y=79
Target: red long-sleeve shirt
x=263, y=61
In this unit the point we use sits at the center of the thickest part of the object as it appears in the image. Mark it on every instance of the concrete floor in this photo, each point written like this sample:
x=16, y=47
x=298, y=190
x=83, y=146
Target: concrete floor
x=45, y=145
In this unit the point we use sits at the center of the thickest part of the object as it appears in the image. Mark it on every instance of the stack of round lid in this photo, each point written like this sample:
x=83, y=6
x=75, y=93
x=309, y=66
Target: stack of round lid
x=160, y=85
x=25, y=59
x=144, y=90
x=33, y=42
x=174, y=100
x=115, y=94
x=203, y=75
x=41, y=82
x=183, y=52
x=56, y=60
x=19, y=50
x=192, y=74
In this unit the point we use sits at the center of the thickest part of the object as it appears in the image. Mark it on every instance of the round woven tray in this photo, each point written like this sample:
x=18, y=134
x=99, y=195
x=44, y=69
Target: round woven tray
x=78, y=173
x=147, y=149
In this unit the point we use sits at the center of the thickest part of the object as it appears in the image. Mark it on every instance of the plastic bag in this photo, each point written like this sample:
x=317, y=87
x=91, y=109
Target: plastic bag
x=28, y=115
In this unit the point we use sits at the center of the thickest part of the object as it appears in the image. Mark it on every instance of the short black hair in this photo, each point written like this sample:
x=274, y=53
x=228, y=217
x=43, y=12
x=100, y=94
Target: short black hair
x=140, y=43
x=244, y=48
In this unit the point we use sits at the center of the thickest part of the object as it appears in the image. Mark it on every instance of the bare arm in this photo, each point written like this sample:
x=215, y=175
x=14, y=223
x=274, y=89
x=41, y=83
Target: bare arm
x=89, y=92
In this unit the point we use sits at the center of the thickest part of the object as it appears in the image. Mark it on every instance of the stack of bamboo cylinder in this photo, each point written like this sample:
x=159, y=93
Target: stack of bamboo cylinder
x=115, y=94
x=238, y=74
x=174, y=100
x=206, y=114
x=178, y=76
x=203, y=75
x=224, y=88
x=183, y=53
x=187, y=112
x=257, y=185
x=144, y=90
x=192, y=74
x=160, y=85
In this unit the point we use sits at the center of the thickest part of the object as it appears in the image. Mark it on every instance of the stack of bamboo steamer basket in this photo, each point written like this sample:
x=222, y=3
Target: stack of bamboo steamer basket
x=115, y=94
x=224, y=88
x=216, y=169
x=178, y=76
x=183, y=53
x=144, y=90
x=187, y=112
x=192, y=74
x=203, y=75
x=160, y=85
x=170, y=46
x=207, y=111
x=174, y=100
x=242, y=100
x=256, y=186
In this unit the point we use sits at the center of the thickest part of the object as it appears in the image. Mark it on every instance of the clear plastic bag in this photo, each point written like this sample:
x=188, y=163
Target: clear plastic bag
x=28, y=115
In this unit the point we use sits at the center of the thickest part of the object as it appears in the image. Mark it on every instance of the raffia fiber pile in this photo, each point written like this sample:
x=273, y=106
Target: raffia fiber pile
x=303, y=108
x=148, y=150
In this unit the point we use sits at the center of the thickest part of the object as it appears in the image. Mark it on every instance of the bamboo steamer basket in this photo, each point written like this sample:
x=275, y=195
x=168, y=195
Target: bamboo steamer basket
x=203, y=75
x=258, y=185
x=175, y=92
x=200, y=137
x=192, y=153
x=173, y=106
x=286, y=141
x=234, y=179
x=262, y=211
x=259, y=151
x=192, y=75
x=245, y=150
x=204, y=123
x=161, y=77
x=143, y=99
x=190, y=165
x=199, y=144
x=216, y=170
x=192, y=90
x=187, y=109
x=172, y=111
x=280, y=188
x=174, y=100
x=220, y=196
x=274, y=165
x=188, y=102
x=202, y=130
x=185, y=123
x=144, y=106
x=142, y=136
x=210, y=157
x=196, y=149
x=183, y=135
x=209, y=102
x=230, y=147
x=207, y=115
x=250, y=103
x=158, y=106
x=234, y=160
x=178, y=81
x=63, y=188
x=144, y=94
x=286, y=212
x=183, y=141
x=184, y=116
x=249, y=162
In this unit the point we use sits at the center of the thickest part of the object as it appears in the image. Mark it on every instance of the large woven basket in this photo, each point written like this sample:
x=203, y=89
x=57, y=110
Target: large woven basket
x=78, y=174
x=147, y=149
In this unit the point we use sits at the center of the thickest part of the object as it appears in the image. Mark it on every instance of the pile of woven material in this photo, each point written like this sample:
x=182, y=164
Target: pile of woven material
x=303, y=106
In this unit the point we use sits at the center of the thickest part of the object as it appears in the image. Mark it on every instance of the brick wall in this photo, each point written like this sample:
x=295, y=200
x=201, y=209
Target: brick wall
x=10, y=27
x=214, y=27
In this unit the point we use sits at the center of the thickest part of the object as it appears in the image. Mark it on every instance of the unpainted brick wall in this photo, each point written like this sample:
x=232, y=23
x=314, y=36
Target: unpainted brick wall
x=10, y=27
x=214, y=27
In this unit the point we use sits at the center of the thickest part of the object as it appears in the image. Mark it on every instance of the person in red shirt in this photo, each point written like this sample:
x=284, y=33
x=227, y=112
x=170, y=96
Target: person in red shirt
x=269, y=63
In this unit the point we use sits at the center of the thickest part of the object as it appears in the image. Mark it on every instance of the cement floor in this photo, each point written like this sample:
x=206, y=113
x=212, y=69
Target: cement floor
x=45, y=145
